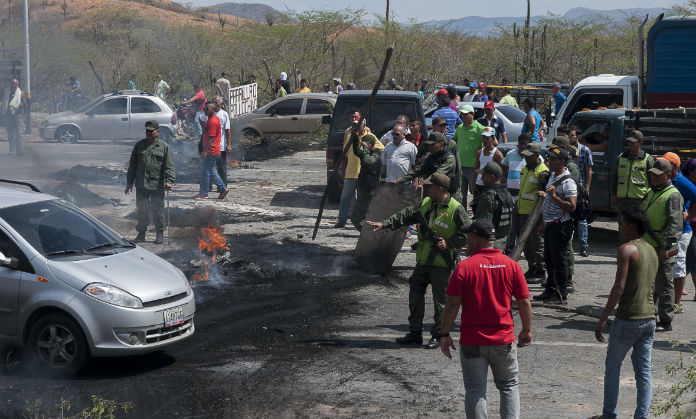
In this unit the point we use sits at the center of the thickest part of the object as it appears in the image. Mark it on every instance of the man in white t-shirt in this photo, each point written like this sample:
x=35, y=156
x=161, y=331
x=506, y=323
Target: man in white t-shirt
x=161, y=87
x=399, y=155
x=560, y=198
x=225, y=137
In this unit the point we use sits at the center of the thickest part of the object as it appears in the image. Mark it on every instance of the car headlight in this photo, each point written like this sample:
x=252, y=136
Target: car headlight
x=112, y=295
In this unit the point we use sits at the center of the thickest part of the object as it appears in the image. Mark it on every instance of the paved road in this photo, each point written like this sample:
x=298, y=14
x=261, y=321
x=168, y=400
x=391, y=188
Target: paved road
x=291, y=328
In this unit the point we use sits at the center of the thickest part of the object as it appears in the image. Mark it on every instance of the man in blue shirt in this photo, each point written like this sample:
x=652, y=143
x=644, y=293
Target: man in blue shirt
x=688, y=191
x=558, y=97
x=446, y=112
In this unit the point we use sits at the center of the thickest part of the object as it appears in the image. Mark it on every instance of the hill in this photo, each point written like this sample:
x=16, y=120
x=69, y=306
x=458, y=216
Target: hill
x=250, y=11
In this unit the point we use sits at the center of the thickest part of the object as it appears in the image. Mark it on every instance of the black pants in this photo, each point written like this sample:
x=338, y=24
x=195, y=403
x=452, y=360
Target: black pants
x=221, y=165
x=556, y=239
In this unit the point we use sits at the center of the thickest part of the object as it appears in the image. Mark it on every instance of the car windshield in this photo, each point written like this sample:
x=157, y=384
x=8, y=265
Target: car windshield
x=513, y=114
x=87, y=105
x=55, y=228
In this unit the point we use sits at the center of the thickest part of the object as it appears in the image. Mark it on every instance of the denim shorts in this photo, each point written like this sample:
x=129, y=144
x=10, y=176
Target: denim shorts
x=690, y=261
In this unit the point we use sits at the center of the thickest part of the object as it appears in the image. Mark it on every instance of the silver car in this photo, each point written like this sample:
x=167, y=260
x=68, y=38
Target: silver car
x=114, y=116
x=289, y=116
x=71, y=288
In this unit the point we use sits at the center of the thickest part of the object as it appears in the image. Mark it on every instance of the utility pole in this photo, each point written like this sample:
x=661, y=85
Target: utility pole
x=27, y=66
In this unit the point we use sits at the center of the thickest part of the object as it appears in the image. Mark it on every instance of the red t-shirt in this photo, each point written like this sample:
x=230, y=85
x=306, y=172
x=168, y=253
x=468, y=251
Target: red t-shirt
x=486, y=282
x=212, y=129
x=415, y=142
x=199, y=101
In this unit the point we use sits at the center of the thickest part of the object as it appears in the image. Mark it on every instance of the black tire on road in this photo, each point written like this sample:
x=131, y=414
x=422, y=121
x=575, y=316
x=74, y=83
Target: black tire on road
x=251, y=135
x=67, y=135
x=57, y=344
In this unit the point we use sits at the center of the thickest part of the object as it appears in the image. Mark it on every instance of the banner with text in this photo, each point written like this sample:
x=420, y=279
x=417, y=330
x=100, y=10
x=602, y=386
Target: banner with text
x=243, y=99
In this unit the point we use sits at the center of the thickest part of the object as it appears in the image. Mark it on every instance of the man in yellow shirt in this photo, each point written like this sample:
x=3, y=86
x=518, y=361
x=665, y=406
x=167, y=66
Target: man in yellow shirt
x=303, y=87
x=350, y=180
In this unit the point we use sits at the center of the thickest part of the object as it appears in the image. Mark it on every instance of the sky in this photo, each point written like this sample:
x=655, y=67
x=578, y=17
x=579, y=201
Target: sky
x=451, y=9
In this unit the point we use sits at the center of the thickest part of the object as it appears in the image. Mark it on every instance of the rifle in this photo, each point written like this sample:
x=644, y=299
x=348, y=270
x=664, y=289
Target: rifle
x=430, y=234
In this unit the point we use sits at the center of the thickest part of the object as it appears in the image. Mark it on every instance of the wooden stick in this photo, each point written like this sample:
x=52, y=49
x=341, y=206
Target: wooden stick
x=532, y=224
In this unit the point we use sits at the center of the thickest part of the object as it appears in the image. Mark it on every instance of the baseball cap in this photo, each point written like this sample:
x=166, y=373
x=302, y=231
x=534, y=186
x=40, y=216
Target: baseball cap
x=493, y=168
x=673, y=158
x=224, y=73
x=424, y=79
x=439, y=120
x=151, y=125
x=488, y=132
x=473, y=84
x=435, y=137
x=661, y=167
x=441, y=92
x=635, y=136
x=531, y=149
x=438, y=179
x=463, y=108
x=337, y=79
x=482, y=228
x=489, y=104
x=561, y=141
x=482, y=85
x=558, y=152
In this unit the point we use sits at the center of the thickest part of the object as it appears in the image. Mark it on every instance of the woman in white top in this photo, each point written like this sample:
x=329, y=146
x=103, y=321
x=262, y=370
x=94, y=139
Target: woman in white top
x=486, y=154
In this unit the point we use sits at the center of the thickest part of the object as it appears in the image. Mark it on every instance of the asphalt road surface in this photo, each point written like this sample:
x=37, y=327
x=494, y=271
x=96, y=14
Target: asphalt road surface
x=289, y=327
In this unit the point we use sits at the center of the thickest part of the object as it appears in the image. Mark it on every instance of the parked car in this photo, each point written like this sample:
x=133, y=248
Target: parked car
x=74, y=288
x=512, y=117
x=117, y=116
x=289, y=116
x=387, y=106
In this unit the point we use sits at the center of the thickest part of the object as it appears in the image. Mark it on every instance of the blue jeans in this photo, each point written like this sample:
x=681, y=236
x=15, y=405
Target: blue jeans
x=347, y=197
x=639, y=335
x=582, y=234
x=503, y=362
x=199, y=129
x=207, y=172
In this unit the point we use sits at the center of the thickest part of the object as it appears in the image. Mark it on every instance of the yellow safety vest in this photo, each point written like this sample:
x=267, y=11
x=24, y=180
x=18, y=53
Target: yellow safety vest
x=443, y=224
x=655, y=205
x=529, y=186
x=632, y=177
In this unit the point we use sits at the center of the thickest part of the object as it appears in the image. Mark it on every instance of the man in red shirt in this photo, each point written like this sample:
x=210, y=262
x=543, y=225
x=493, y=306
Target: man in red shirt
x=483, y=285
x=210, y=152
x=198, y=104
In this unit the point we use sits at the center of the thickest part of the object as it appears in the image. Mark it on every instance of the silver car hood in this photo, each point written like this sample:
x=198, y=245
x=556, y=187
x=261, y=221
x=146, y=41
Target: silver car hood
x=136, y=271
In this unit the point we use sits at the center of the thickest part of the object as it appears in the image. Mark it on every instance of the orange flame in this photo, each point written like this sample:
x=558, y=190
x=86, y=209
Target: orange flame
x=235, y=164
x=210, y=242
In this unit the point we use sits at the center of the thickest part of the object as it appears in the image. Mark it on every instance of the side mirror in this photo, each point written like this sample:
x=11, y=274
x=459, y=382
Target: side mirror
x=326, y=119
x=11, y=263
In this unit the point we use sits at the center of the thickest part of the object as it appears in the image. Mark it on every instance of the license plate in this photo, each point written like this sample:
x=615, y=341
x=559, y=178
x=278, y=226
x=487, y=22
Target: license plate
x=173, y=316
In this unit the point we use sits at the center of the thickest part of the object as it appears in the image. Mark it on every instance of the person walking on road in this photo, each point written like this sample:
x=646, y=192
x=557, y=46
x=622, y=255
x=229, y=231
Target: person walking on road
x=484, y=285
x=630, y=180
x=664, y=205
x=222, y=86
x=494, y=203
x=161, y=87
x=441, y=220
x=225, y=136
x=210, y=153
x=151, y=171
x=14, y=107
x=634, y=324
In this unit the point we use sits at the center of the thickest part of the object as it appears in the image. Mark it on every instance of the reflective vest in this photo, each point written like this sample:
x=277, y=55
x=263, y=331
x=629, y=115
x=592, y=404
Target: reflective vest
x=529, y=186
x=443, y=224
x=655, y=205
x=632, y=177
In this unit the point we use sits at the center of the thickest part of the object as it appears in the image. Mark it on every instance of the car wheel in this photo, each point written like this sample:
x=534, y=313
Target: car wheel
x=67, y=135
x=56, y=341
x=250, y=135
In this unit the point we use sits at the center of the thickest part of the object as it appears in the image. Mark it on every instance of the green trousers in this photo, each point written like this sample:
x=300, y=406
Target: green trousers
x=534, y=247
x=664, y=291
x=149, y=203
x=437, y=278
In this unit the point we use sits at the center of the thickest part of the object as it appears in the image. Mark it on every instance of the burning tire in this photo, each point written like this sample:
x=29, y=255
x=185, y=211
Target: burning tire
x=250, y=136
x=56, y=341
x=67, y=135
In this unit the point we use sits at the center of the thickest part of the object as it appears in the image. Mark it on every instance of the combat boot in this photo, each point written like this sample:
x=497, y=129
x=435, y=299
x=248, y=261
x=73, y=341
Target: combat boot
x=140, y=237
x=160, y=237
x=410, y=338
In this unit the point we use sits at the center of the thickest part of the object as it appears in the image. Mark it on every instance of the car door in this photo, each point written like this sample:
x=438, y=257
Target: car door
x=9, y=284
x=282, y=119
x=142, y=109
x=108, y=120
x=314, y=110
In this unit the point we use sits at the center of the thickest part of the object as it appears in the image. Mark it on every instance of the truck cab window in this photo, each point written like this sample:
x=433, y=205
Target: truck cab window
x=592, y=99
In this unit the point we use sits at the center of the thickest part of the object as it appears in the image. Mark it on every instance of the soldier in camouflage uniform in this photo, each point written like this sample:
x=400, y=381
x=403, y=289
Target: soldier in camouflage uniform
x=441, y=220
x=368, y=179
x=151, y=171
x=494, y=203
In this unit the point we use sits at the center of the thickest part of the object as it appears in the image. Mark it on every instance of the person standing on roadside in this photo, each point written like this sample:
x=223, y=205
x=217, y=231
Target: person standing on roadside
x=435, y=257
x=14, y=107
x=303, y=87
x=494, y=203
x=225, y=136
x=198, y=104
x=507, y=98
x=664, y=205
x=151, y=171
x=482, y=95
x=469, y=97
x=161, y=87
x=444, y=110
x=285, y=82
x=484, y=285
x=222, y=86
x=424, y=89
x=560, y=198
x=585, y=164
x=368, y=179
x=486, y=154
x=280, y=89
x=210, y=154
x=399, y=155
x=512, y=168
x=131, y=83
x=629, y=180
x=532, y=123
x=490, y=120
x=468, y=139
x=558, y=97
x=688, y=192
x=634, y=324
x=337, y=85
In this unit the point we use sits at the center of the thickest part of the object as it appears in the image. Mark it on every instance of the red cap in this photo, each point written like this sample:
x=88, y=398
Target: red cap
x=489, y=104
x=482, y=85
x=441, y=92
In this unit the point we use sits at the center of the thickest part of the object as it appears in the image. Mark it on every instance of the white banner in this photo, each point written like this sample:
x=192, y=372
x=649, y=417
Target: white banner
x=242, y=99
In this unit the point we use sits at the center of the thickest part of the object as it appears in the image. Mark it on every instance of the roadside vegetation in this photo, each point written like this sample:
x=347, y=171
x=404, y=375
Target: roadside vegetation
x=99, y=408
